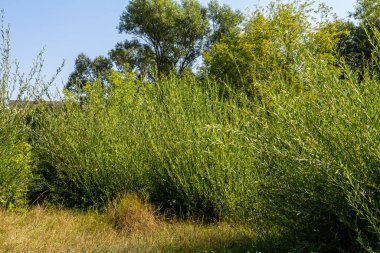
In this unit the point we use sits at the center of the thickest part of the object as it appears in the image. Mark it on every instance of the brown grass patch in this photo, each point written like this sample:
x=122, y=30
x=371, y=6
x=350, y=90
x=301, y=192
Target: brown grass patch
x=130, y=214
x=54, y=230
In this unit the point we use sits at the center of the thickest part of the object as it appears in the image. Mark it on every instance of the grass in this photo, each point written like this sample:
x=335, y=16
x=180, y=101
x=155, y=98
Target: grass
x=57, y=230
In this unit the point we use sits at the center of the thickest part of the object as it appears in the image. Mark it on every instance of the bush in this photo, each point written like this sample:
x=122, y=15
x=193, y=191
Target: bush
x=15, y=152
x=15, y=165
x=320, y=161
x=303, y=162
x=199, y=165
x=16, y=159
x=270, y=45
x=302, y=159
x=89, y=153
x=171, y=140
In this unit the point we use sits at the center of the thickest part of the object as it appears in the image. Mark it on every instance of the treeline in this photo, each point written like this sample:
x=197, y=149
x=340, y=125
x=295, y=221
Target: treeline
x=278, y=129
x=215, y=41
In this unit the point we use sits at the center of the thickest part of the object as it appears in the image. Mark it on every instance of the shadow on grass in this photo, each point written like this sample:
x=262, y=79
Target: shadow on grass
x=212, y=243
x=247, y=243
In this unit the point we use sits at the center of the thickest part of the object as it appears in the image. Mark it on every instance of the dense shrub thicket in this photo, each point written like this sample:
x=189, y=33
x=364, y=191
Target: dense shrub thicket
x=300, y=164
x=303, y=162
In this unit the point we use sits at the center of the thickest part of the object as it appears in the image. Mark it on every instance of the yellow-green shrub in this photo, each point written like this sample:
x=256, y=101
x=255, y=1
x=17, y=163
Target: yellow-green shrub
x=271, y=46
x=15, y=164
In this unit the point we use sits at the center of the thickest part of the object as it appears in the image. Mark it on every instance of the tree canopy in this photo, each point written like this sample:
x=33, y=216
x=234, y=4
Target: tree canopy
x=223, y=21
x=87, y=71
x=171, y=34
x=272, y=43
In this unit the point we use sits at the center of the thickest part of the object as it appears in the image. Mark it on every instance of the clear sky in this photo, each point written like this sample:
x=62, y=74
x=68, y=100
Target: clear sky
x=68, y=27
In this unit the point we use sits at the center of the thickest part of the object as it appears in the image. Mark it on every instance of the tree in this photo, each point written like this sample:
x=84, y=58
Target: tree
x=87, y=71
x=164, y=31
x=223, y=20
x=272, y=44
x=356, y=46
x=164, y=36
x=138, y=57
x=367, y=11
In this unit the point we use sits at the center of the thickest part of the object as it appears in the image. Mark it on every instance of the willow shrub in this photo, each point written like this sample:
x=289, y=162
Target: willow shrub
x=320, y=163
x=198, y=161
x=15, y=163
x=89, y=152
x=302, y=161
x=176, y=141
x=15, y=152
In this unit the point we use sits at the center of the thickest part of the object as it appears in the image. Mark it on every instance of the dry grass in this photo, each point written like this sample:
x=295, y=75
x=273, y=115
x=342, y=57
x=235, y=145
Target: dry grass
x=50, y=230
x=128, y=214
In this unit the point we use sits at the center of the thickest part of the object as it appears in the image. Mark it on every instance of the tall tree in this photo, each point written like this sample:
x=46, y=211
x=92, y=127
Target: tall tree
x=174, y=32
x=87, y=71
x=136, y=57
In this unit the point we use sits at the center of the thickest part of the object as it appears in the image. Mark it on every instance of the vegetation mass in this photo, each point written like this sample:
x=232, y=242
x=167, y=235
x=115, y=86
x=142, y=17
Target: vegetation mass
x=277, y=132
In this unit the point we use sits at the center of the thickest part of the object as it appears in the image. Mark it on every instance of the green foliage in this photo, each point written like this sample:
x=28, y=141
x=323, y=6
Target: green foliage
x=92, y=154
x=87, y=70
x=197, y=165
x=166, y=36
x=15, y=165
x=272, y=45
x=140, y=58
x=173, y=32
x=165, y=140
x=224, y=21
x=15, y=152
x=290, y=142
x=357, y=46
x=367, y=11
x=314, y=155
x=305, y=164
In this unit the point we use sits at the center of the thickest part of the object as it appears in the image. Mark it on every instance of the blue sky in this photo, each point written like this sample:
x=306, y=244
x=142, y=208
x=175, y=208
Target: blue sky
x=67, y=28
